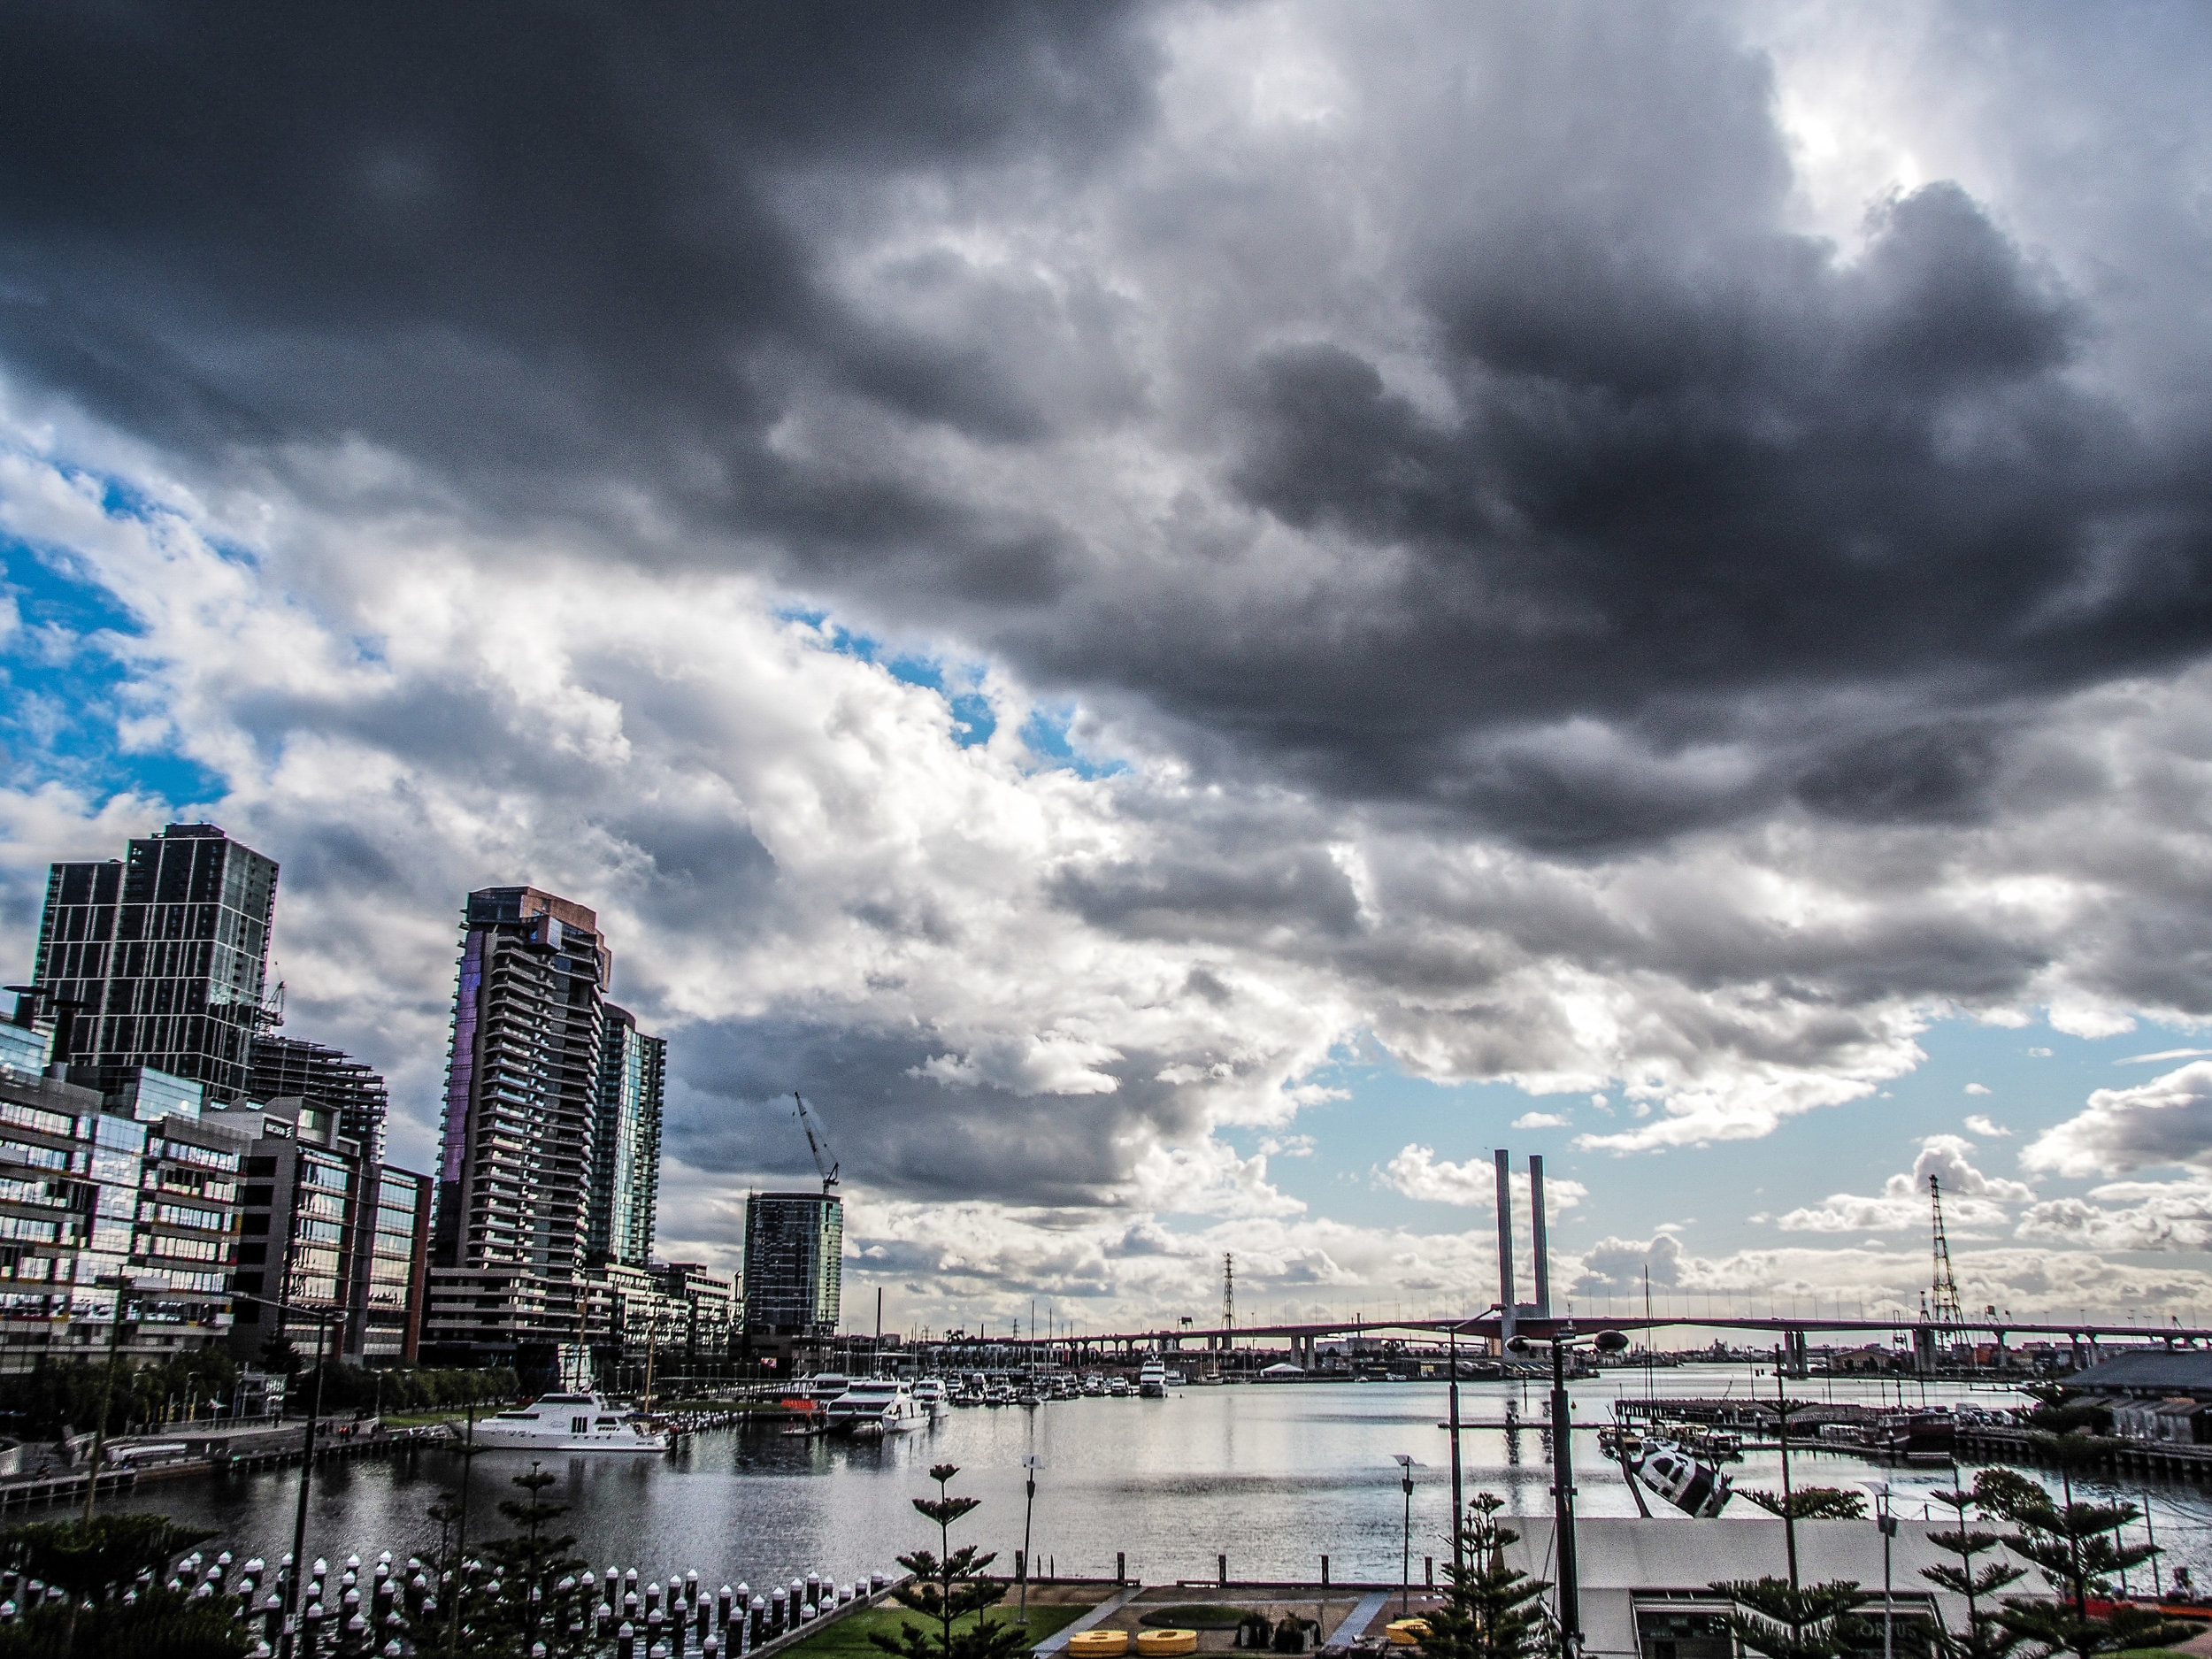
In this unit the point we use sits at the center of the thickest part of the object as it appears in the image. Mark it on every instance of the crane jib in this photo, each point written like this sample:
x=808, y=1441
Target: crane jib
x=826, y=1167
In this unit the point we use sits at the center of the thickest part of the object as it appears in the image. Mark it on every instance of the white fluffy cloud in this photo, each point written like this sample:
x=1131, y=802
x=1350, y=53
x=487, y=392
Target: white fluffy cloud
x=2127, y=1216
x=2167, y=1120
x=1974, y=1202
x=1417, y=1173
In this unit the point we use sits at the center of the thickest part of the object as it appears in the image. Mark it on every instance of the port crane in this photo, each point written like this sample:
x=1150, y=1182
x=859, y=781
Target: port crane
x=809, y=1120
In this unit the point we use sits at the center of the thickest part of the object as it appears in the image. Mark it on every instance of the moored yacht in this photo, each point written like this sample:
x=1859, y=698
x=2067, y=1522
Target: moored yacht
x=876, y=1405
x=568, y=1423
x=1152, y=1380
x=929, y=1394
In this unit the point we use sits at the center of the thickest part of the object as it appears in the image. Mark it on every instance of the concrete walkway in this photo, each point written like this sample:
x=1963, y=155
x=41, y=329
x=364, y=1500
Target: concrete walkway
x=1360, y=1617
x=1105, y=1609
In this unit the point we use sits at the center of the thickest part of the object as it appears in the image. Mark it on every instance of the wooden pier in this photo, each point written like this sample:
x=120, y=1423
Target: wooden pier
x=2172, y=1459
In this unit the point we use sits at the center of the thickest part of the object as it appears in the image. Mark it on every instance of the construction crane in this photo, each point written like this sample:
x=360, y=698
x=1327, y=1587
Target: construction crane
x=808, y=1119
x=1946, y=1311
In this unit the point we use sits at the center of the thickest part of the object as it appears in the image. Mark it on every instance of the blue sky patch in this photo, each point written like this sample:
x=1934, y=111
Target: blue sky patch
x=1046, y=731
x=66, y=691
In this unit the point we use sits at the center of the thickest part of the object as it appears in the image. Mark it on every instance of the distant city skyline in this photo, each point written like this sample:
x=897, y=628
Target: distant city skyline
x=1190, y=619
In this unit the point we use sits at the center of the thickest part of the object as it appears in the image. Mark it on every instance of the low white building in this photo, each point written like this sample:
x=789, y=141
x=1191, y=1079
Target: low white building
x=1644, y=1583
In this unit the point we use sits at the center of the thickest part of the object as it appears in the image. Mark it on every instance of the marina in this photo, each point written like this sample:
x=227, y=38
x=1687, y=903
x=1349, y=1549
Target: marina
x=1250, y=1482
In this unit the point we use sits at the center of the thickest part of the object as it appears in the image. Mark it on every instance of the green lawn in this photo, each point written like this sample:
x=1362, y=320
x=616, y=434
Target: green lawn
x=847, y=1639
x=1195, y=1616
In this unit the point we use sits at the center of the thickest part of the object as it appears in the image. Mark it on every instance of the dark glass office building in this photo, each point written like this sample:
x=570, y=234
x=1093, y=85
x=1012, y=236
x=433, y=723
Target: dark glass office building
x=165, y=954
x=795, y=1263
x=625, y=1170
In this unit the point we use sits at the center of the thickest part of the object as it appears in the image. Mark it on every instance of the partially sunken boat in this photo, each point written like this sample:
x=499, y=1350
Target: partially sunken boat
x=1693, y=1487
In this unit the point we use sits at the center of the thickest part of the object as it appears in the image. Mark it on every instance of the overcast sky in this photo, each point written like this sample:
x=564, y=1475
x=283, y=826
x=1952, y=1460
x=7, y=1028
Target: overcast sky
x=1190, y=617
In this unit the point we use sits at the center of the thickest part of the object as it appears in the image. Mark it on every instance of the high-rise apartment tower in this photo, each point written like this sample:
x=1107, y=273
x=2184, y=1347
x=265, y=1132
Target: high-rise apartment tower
x=163, y=955
x=522, y=1091
x=626, y=1142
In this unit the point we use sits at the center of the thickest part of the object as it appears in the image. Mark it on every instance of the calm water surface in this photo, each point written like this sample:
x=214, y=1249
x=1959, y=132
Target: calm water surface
x=1273, y=1477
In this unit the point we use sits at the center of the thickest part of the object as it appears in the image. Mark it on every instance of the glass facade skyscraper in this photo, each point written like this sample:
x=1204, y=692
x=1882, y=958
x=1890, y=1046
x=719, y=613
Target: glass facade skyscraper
x=166, y=955
x=626, y=1143
x=795, y=1263
x=130, y=1184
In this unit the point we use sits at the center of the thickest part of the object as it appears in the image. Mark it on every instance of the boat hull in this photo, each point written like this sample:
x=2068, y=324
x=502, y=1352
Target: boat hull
x=619, y=1445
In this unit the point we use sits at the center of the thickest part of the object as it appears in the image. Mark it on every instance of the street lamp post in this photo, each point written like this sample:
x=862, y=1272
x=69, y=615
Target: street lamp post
x=1405, y=1549
x=1459, y=1501
x=1887, y=1523
x=1031, y=1464
x=1563, y=1490
x=1563, y=1475
x=107, y=1399
x=288, y=1641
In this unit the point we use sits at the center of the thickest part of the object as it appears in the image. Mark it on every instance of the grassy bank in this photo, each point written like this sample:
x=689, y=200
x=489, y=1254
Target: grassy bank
x=847, y=1639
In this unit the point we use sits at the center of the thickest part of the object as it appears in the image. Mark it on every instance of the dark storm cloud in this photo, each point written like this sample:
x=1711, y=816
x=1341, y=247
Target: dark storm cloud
x=513, y=234
x=1600, y=444
x=896, y=1132
x=1661, y=499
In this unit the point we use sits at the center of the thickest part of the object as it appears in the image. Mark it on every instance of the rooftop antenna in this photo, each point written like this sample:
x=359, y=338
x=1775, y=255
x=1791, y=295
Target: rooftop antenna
x=816, y=1144
x=1946, y=1309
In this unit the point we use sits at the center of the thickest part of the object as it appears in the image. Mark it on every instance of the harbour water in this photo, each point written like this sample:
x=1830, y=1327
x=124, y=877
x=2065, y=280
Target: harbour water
x=1273, y=1477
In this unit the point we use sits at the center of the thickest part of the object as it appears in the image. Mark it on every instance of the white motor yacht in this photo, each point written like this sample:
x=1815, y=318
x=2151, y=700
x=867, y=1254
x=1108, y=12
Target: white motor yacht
x=1152, y=1380
x=931, y=1395
x=876, y=1405
x=569, y=1423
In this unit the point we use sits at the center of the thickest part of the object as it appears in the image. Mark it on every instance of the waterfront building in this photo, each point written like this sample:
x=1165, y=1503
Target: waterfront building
x=162, y=958
x=507, y=1253
x=708, y=1315
x=795, y=1246
x=626, y=1142
x=306, y=1219
x=399, y=1262
x=289, y=1068
x=283, y=1068
x=683, y=1312
x=2150, y=1373
x=629, y=1314
x=130, y=1185
x=26, y=1043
